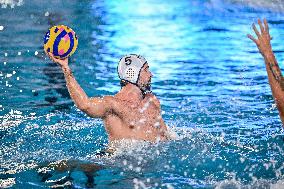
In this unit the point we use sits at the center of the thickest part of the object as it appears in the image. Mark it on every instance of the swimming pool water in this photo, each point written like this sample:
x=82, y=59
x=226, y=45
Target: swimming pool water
x=209, y=76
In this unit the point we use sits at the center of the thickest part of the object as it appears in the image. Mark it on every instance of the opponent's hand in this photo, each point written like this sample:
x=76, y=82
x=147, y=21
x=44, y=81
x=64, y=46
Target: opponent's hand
x=263, y=37
x=62, y=63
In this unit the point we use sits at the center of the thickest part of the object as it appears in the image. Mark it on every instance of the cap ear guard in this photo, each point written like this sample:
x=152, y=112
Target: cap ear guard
x=130, y=73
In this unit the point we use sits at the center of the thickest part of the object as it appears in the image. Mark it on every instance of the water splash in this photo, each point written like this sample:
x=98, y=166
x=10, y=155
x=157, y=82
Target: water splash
x=11, y=3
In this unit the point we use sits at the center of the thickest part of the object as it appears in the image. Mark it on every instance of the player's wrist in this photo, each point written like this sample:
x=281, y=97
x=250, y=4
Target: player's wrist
x=65, y=68
x=268, y=53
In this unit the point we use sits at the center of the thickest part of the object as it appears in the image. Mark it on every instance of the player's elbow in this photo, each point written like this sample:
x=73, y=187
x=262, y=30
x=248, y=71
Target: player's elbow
x=96, y=107
x=83, y=106
x=92, y=112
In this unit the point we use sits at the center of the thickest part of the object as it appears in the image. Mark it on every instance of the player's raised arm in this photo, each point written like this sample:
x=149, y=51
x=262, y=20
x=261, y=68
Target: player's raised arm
x=275, y=77
x=94, y=107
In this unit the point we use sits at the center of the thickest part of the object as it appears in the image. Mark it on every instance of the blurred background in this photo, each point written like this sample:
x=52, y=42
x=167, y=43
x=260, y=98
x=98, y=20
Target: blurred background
x=210, y=79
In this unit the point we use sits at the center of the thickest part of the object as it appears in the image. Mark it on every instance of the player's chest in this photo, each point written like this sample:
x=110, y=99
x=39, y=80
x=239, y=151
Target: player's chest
x=145, y=113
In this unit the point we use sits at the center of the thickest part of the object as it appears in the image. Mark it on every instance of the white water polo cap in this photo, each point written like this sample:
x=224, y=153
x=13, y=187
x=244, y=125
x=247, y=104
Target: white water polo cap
x=129, y=67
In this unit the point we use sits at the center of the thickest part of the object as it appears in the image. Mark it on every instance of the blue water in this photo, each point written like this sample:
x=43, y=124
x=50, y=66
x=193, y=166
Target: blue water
x=209, y=76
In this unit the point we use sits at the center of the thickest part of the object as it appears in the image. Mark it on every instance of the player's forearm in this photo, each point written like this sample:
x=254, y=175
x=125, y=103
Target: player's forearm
x=273, y=70
x=76, y=92
x=273, y=66
x=276, y=82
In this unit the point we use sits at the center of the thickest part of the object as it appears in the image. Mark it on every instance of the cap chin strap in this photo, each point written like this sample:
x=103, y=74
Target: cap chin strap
x=144, y=92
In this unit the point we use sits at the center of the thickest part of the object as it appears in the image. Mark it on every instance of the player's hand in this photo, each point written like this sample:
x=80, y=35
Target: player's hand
x=263, y=37
x=61, y=62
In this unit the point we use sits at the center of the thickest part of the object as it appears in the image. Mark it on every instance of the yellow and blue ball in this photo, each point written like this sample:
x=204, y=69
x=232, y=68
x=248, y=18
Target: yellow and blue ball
x=61, y=41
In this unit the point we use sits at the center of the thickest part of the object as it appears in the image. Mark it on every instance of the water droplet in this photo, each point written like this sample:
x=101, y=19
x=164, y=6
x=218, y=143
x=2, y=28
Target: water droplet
x=46, y=13
x=138, y=169
x=36, y=53
x=1, y=28
x=19, y=53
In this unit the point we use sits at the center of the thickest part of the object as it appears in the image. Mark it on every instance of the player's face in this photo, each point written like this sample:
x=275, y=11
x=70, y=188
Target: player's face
x=145, y=78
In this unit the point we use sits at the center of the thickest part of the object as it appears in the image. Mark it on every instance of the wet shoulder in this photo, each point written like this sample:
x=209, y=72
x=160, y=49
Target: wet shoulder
x=121, y=107
x=153, y=99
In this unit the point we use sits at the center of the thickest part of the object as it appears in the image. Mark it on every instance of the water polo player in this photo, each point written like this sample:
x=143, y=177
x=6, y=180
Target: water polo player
x=133, y=113
x=275, y=77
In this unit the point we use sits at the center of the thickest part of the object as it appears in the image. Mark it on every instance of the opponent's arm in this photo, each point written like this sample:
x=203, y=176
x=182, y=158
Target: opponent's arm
x=275, y=77
x=94, y=107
